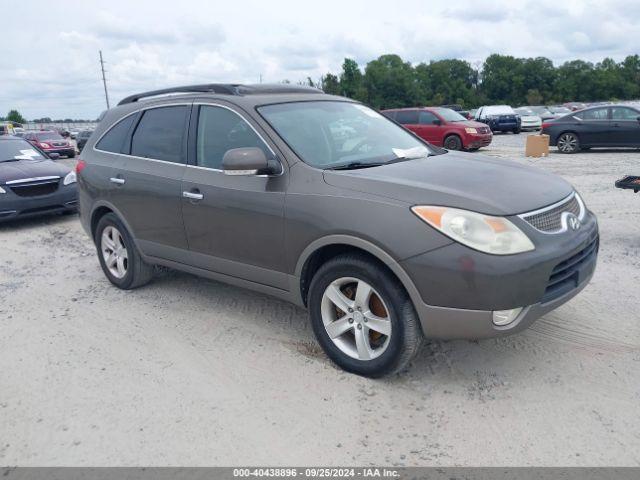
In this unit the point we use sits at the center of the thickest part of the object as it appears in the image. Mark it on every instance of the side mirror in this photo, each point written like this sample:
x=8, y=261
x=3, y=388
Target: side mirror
x=437, y=122
x=248, y=161
x=53, y=155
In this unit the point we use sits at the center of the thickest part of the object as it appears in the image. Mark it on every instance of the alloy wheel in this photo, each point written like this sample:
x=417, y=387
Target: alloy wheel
x=356, y=318
x=114, y=252
x=567, y=143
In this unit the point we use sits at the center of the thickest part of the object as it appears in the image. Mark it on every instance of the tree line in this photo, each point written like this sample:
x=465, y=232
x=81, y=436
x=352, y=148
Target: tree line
x=390, y=82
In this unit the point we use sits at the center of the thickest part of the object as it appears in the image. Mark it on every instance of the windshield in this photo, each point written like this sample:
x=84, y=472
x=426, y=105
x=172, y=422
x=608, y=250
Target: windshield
x=525, y=111
x=449, y=115
x=327, y=134
x=498, y=110
x=11, y=150
x=48, y=136
x=560, y=110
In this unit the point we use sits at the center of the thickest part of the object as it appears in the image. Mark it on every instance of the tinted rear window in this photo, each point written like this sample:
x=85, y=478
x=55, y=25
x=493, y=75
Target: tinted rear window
x=159, y=134
x=114, y=139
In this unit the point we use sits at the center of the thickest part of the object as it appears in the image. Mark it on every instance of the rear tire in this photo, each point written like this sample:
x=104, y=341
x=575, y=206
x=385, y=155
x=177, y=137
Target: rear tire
x=568, y=142
x=119, y=258
x=452, y=142
x=71, y=155
x=516, y=131
x=376, y=330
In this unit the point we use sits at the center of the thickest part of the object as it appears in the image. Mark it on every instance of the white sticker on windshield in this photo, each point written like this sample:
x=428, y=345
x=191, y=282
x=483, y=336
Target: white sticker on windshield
x=30, y=153
x=22, y=157
x=368, y=111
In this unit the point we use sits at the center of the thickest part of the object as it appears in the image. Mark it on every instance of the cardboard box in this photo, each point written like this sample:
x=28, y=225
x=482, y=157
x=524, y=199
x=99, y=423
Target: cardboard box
x=537, y=146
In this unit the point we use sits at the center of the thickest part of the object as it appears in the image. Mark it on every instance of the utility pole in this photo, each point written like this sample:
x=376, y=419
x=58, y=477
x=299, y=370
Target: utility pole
x=104, y=80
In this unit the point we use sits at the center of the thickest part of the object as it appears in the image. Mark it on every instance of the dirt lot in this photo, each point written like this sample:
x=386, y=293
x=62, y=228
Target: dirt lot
x=188, y=371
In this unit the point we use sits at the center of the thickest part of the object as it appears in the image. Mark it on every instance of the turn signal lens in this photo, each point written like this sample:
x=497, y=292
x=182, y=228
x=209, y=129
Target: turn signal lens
x=488, y=234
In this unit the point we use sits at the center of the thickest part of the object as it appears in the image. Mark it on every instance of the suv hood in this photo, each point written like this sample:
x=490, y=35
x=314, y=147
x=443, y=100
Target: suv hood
x=20, y=169
x=460, y=180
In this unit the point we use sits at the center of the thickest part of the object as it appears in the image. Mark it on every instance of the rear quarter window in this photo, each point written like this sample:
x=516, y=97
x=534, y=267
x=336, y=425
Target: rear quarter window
x=113, y=140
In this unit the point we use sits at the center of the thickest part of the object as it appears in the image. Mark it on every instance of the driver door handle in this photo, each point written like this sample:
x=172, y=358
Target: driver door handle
x=195, y=195
x=117, y=180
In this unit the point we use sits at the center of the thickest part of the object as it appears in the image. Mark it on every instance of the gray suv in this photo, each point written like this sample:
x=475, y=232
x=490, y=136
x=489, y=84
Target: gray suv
x=321, y=201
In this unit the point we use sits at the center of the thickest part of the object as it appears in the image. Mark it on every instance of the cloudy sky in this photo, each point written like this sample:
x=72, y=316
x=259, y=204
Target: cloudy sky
x=49, y=54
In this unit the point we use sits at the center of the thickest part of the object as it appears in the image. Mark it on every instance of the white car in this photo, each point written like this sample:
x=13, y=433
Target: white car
x=529, y=119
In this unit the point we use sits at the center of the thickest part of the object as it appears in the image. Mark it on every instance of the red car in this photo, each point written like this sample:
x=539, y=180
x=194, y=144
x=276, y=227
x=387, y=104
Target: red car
x=51, y=142
x=443, y=127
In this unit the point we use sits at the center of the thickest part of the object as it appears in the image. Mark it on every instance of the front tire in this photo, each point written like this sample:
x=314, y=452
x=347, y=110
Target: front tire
x=452, y=142
x=119, y=258
x=516, y=131
x=363, y=317
x=568, y=143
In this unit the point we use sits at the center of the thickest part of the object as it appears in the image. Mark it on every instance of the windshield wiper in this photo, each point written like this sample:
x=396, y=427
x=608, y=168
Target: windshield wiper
x=356, y=165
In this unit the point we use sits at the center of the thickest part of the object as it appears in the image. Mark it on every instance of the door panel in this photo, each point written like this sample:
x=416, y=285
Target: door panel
x=238, y=223
x=625, y=127
x=150, y=200
x=234, y=224
x=594, y=127
x=149, y=184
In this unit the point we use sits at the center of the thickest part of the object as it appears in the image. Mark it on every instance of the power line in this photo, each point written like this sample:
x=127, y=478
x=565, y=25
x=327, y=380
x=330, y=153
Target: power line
x=104, y=81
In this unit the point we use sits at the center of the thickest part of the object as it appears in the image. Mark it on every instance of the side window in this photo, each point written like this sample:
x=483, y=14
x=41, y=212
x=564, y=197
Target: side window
x=391, y=114
x=624, y=113
x=160, y=133
x=219, y=130
x=114, y=138
x=407, y=117
x=595, y=114
x=426, y=118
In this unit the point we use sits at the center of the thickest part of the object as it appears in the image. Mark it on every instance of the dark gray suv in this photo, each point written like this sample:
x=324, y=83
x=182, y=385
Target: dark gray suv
x=324, y=202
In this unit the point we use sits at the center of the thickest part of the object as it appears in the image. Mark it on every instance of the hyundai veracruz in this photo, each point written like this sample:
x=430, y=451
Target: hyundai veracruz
x=324, y=202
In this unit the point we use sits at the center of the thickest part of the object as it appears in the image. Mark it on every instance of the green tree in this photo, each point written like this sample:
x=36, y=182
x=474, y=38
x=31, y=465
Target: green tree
x=14, y=116
x=534, y=97
x=446, y=81
x=351, y=80
x=390, y=83
x=331, y=84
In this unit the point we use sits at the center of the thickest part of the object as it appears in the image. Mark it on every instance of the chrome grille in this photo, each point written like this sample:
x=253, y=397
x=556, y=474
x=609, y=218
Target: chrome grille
x=549, y=220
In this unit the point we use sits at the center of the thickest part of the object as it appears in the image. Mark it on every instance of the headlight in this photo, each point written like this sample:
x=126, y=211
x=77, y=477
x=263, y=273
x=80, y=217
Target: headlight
x=45, y=145
x=470, y=130
x=70, y=178
x=2, y=190
x=495, y=235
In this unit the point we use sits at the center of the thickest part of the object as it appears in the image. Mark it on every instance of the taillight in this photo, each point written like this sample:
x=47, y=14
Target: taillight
x=80, y=166
x=545, y=125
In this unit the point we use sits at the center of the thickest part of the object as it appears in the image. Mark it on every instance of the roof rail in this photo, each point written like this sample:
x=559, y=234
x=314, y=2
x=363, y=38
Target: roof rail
x=224, y=89
x=228, y=89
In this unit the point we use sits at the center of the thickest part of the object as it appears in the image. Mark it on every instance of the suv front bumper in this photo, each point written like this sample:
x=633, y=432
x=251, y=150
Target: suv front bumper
x=461, y=288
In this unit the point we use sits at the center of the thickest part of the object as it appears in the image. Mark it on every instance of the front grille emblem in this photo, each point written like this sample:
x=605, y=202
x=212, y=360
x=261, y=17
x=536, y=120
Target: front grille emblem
x=573, y=222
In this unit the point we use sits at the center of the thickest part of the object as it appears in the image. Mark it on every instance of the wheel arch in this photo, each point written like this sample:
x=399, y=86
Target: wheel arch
x=321, y=250
x=453, y=134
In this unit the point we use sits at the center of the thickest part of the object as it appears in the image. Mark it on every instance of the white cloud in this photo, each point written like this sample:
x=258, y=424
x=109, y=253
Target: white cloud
x=51, y=67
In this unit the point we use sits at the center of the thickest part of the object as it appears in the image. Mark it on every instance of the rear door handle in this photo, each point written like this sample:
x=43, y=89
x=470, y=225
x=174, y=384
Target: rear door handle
x=117, y=181
x=193, y=195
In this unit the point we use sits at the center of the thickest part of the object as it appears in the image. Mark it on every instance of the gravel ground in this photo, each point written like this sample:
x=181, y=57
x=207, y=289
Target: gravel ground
x=188, y=371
